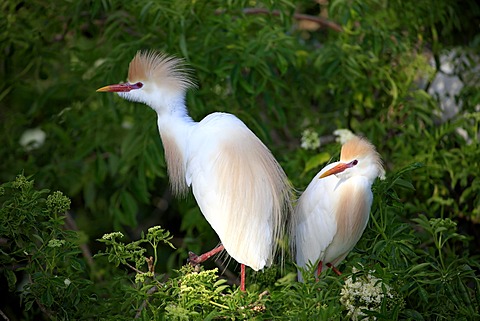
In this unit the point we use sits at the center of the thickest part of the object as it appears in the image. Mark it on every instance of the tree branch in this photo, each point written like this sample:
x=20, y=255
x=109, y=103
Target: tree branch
x=4, y=316
x=298, y=16
x=134, y=268
x=3, y=241
x=144, y=303
x=72, y=225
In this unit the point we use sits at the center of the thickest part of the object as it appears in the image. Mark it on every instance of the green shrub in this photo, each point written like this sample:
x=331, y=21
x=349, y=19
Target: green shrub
x=370, y=72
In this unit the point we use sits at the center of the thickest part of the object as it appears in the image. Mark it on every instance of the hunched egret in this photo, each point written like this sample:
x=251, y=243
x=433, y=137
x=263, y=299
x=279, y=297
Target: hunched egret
x=333, y=212
x=239, y=186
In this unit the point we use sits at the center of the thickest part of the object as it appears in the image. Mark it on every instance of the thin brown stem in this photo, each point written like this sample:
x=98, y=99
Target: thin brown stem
x=298, y=16
x=49, y=314
x=72, y=225
x=4, y=316
x=134, y=268
x=144, y=303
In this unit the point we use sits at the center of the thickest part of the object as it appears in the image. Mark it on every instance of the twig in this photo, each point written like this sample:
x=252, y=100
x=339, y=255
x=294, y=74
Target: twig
x=151, y=267
x=49, y=314
x=4, y=316
x=134, y=268
x=298, y=16
x=3, y=241
x=144, y=303
x=72, y=225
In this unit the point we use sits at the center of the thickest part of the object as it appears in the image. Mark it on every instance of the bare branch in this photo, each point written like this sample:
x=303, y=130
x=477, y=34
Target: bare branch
x=72, y=225
x=144, y=303
x=298, y=16
x=4, y=316
x=134, y=268
x=3, y=241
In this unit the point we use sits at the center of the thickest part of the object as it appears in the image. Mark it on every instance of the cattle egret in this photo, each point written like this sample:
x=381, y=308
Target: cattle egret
x=333, y=212
x=239, y=186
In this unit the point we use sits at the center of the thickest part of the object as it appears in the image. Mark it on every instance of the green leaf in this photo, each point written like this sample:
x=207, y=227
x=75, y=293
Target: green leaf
x=129, y=208
x=418, y=267
x=316, y=161
x=11, y=279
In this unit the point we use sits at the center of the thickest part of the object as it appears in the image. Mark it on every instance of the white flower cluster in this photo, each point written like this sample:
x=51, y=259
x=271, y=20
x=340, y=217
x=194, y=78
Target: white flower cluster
x=153, y=229
x=113, y=235
x=310, y=139
x=343, y=135
x=363, y=293
x=32, y=139
x=55, y=243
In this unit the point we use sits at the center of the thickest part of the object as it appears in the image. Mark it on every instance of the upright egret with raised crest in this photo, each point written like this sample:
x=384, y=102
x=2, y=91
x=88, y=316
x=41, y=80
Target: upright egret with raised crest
x=239, y=186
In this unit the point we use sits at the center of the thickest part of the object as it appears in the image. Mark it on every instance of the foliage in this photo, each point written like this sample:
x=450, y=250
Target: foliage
x=372, y=72
x=55, y=278
x=407, y=278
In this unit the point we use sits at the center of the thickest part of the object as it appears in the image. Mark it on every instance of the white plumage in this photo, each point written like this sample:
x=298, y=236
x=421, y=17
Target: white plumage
x=239, y=186
x=333, y=212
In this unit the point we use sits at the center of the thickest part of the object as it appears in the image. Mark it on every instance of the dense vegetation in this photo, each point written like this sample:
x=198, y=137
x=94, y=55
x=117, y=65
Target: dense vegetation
x=89, y=228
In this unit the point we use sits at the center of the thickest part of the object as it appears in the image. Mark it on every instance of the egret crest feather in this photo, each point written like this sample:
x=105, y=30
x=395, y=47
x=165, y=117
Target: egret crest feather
x=360, y=146
x=161, y=69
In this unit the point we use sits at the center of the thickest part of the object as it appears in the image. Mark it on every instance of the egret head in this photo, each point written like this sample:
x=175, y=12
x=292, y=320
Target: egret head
x=155, y=79
x=357, y=158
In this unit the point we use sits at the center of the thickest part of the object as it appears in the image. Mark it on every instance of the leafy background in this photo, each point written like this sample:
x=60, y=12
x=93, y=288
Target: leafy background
x=383, y=69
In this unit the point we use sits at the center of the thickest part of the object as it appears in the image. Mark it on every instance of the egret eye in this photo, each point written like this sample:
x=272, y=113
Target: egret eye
x=138, y=85
x=355, y=162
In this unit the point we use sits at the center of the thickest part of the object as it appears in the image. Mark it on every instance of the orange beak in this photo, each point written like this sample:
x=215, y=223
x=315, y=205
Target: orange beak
x=339, y=168
x=125, y=87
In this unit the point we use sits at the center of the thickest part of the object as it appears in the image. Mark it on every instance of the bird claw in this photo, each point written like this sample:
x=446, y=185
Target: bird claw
x=193, y=259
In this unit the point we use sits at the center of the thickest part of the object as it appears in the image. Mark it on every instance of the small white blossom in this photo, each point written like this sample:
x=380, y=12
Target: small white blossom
x=55, y=243
x=310, y=139
x=365, y=293
x=344, y=135
x=127, y=124
x=32, y=139
x=112, y=235
x=67, y=282
x=154, y=229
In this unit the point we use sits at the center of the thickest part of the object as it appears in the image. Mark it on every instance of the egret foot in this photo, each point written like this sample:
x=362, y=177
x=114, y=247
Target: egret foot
x=330, y=265
x=195, y=259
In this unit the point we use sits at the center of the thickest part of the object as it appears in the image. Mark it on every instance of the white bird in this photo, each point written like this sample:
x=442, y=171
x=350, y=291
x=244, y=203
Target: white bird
x=333, y=212
x=239, y=186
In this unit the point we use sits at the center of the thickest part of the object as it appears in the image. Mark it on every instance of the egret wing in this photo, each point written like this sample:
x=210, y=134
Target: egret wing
x=239, y=186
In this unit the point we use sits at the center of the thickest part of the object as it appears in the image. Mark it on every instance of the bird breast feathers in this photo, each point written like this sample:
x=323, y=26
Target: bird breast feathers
x=316, y=222
x=332, y=224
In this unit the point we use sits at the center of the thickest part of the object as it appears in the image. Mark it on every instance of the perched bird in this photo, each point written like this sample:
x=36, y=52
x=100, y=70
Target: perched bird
x=239, y=186
x=333, y=212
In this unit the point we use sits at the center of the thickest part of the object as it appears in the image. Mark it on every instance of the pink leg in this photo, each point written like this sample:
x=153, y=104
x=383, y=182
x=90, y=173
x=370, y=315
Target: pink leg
x=330, y=265
x=242, y=277
x=197, y=259
x=319, y=269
